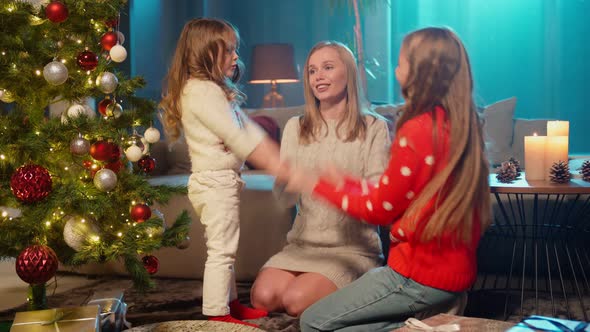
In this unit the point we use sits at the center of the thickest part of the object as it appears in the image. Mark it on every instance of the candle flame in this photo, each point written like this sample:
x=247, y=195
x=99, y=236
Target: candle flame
x=534, y=134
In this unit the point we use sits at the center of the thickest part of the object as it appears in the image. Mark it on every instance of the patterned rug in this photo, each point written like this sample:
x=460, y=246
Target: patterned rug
x=173, y=299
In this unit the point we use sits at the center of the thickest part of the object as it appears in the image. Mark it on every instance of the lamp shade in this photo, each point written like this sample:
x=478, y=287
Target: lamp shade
x=273, y=62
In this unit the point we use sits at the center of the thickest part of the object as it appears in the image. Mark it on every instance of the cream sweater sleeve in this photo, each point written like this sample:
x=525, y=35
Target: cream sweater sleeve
x=378, y=150
x=289, y=144
x=211, y=107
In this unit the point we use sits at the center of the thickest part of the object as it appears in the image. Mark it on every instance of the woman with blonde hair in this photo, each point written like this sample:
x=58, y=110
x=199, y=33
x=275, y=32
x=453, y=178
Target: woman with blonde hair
x=326, y=249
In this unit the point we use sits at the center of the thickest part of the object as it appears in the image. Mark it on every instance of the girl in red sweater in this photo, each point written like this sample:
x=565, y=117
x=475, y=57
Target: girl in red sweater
x=434, y=194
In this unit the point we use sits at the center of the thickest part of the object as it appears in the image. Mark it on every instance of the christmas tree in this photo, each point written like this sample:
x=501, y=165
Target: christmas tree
x=74, y=187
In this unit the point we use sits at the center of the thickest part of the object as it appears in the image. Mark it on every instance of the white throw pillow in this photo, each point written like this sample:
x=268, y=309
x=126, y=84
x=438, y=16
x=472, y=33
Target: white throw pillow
x=498, y=130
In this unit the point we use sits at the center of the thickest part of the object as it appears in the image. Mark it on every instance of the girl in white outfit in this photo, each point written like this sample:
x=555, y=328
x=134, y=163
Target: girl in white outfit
x=201, y=101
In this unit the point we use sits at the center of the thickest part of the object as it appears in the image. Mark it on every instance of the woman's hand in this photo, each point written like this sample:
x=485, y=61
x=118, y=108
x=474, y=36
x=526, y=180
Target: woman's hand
x=333, y=174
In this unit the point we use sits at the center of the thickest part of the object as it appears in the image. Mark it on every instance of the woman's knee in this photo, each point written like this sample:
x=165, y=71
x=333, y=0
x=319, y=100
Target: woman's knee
x=264, y=297
x=295, y=301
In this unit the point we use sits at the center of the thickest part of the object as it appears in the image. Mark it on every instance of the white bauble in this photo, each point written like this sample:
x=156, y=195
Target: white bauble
x=9, y=212
x=152, y=135
x=118, y=53
x=133, y=153
x=37, y=3
x=75, y=110
x=78, y=232
x=59, y=105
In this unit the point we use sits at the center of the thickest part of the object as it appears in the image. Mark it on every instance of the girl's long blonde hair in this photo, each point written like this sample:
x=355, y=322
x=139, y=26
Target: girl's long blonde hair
x=440, y=75
x=202, y=48
x=354, y=117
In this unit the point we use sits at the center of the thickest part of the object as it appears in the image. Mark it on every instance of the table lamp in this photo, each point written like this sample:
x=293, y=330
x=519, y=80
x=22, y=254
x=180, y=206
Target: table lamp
x=273, y=63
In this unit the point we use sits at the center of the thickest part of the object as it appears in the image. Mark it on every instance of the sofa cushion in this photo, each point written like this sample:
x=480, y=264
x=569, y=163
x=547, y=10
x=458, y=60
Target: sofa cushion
x=498, y=130
x=391, y=114
x=281, y=115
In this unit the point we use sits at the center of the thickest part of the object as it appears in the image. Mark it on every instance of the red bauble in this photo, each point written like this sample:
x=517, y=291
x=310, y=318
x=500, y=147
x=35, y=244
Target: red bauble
x=56, y=12
x=30, y=183
x=150, y=263
x=103, y=104
x=115, y=152
x=140, y=212
x=115, y=166
x=87, y=60
x=36, y=264
x=101, y=150
x=147, y=164
x=108, y=40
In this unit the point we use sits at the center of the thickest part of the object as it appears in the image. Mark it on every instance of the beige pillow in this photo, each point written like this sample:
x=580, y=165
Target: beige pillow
x=498, y=130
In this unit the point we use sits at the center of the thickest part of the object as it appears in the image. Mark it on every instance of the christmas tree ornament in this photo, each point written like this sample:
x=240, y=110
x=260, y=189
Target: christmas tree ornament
x=118, y=53
x=108, y=40
x=56, y=12
x=133, y=153
x=87, y=60
x=184, y=243
x=140, y=212
x=105, y=180
x=101, y=150
x=107, y=82
x=147, y=164
x=146, y=146
x=30, y=183
x=585, y=170
x=55, y=73
x=79, y=146
x=36, y=3
x=75, y=111
x=103, y=104
x=151, y=264
x=114, y=166
x=112, y=23
x=79, y=231
x=36, y=264
x=11, y=213
x=120, y=38
x=507, y=173
x=6, y=96
x=135, y=139
x=114, y=110
x=114, y=152
x=560, y=172
x=152, y=135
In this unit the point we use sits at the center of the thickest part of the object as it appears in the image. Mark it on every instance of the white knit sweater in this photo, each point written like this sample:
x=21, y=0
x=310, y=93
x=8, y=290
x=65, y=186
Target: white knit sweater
x=219, y=136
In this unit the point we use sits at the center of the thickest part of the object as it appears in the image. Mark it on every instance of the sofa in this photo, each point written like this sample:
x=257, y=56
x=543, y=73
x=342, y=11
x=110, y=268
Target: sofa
x=264, y=222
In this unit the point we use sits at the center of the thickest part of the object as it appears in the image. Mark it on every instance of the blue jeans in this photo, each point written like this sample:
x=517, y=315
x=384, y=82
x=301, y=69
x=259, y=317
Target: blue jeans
x=380, y=300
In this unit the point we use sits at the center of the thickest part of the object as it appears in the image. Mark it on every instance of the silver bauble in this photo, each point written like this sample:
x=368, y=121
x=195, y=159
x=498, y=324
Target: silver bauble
x=118, y=53
x=120, y=37
x=157, y=230
x=105, y=179
x=184, y=244
x=55, y=73
x=6, y=96
x=107, y=82
x=152, y=135
x=79, y=145
x=77, y=232
x=114, y=109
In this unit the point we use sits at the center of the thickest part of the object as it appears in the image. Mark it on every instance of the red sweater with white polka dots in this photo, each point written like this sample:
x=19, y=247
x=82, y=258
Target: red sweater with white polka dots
x=445, y=262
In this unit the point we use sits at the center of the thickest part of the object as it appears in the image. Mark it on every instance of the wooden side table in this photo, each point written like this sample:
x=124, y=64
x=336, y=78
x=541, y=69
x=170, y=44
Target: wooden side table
x=542, y=230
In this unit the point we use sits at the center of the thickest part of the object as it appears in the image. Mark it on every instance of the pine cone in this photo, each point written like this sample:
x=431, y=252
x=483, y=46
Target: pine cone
x=560, y=172
x=507, y=173
x=516, y=164
x=585, y=170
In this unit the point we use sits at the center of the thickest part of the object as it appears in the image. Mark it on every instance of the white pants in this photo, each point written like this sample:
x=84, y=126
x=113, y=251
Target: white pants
x=215, y=195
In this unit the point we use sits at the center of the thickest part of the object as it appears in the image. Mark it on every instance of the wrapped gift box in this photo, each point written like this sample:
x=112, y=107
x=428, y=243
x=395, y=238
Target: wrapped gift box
x=446, y=322
x=113, y=310
x=542, y=323
x=75, y=319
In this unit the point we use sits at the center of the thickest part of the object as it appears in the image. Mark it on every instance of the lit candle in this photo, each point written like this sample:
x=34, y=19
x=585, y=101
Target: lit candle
x=534, y=157
x=558, y=128
x=556, y=149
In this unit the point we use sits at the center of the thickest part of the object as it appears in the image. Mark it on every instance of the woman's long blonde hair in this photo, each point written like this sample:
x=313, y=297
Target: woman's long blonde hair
x=440, y=75
x=202, y=47
x=354, y=117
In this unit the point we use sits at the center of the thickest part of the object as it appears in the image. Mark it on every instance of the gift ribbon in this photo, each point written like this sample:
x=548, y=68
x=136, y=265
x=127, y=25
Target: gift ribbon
x=415, y=324
x=112, y=319
x=59, y=318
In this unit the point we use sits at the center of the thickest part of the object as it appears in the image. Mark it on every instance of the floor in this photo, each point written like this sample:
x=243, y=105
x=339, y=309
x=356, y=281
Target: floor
x=14, y=290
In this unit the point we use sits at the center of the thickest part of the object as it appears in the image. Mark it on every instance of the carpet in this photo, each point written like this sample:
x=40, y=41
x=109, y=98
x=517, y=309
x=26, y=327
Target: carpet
x=172, y=299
